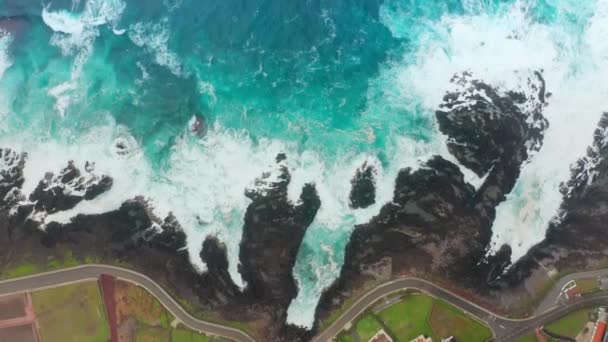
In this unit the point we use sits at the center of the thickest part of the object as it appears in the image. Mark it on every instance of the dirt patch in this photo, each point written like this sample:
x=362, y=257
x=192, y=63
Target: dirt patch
x=12, y=306
x=127, y=330
x=21, y=333
x=134, y=301
x=107, y=285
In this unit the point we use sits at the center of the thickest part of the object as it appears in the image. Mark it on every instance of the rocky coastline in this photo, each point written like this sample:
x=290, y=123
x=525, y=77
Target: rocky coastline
x=437, y=225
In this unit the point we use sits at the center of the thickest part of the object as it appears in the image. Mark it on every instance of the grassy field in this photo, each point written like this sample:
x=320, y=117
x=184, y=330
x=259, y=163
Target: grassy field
x=368, y=326
x=587, y=285
x=570, y=325
x=447, y=321
x=420, y=314
x=71, y=313
x=26, y=268
x=346, y=337
x=408, y=318
x=146, y=333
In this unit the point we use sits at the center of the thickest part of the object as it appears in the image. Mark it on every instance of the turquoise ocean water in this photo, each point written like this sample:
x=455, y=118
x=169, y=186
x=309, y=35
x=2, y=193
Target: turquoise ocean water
x=332, y=83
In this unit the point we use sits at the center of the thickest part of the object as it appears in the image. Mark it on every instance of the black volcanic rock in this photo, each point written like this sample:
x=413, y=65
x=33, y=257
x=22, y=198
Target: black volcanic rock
x=11, y=176
x=437, y=223
x=273, y=231
x=66, y=189
x=577, y=239
x=363, y=191
x=485, y=124
x=436, y=226
x=217, y=278
x=171, y=234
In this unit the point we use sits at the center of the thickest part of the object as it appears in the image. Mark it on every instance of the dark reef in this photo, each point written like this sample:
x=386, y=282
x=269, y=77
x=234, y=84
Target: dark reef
x=363, y=191
x=437, y=226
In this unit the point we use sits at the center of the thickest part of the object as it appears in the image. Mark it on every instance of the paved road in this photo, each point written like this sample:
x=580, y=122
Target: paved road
x=552, y=297
x=504, y=329
x=92, y=272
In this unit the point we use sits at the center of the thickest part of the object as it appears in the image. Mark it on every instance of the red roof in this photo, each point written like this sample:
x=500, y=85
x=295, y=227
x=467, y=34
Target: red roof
x=599, y=332
x=380, y=338
x=573, y=292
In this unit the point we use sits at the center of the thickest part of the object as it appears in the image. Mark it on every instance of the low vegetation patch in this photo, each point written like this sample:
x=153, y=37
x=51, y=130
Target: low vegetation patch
x=571, y=324
x=367, y=327
x=142, y=318
x=419, y=314
x=72, y=313
x=407, y=319
x=587, y=285
x=447, y=321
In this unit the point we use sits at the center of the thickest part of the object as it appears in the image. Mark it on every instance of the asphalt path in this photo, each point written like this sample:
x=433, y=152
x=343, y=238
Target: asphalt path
x=92, y=272
x=503, y=328
x=551, y=299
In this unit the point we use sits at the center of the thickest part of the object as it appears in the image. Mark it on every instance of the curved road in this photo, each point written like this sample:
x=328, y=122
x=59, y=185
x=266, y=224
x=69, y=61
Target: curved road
x=92, y=272
x=504, y=329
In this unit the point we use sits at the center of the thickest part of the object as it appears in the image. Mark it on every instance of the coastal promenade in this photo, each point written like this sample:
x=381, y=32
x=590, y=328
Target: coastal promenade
x=504, y=329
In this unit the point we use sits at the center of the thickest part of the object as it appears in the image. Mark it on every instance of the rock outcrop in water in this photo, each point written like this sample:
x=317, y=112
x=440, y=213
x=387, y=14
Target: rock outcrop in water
x=363, y=191
x=66, y=189
x=484, y=124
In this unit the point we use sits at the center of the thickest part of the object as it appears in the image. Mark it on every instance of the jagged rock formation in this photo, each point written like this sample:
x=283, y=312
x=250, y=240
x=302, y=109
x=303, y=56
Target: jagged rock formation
x=272, y=234
x=437, y=224
x=68, y=188
x=578, y=240
x=363, y=191
x=484, y=123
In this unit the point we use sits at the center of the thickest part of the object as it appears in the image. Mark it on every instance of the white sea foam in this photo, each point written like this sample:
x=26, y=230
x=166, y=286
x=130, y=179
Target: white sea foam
x=75, y=34
x=5, y=60
x=503, y=49
x=154, y=37
x=203, y=187
x=576, y=107
x=205, y=180
x=327, y=236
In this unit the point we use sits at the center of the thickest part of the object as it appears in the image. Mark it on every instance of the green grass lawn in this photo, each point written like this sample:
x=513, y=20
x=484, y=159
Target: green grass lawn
x=571, y=324
x=71, y=313
x=367, y=327
x=346, y=337
x=447, y=321
x=146, y=333
x=408, y=318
